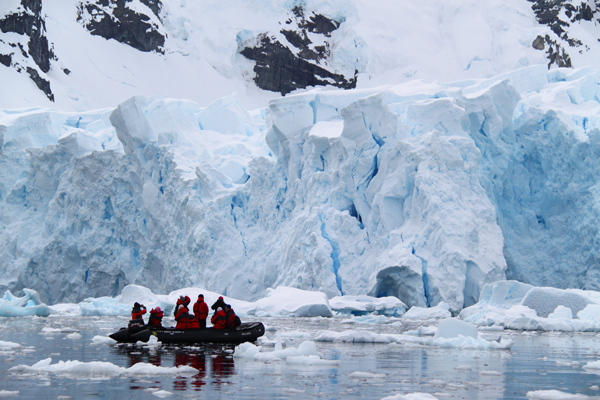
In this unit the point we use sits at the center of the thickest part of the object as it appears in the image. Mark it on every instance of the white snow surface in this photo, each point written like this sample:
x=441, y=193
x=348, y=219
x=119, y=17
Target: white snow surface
x=386, y=42
x=429, y=192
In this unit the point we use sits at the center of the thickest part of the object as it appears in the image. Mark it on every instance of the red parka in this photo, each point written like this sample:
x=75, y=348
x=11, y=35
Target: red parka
x=137, y=313
x=185, y=320
x=155, y=317
x=219, y=320
x=200, y=310
x=230, y=319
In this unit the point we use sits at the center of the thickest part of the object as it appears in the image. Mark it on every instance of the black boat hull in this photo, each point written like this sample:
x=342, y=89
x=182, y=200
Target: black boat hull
x=246, y=332
x=123, y=335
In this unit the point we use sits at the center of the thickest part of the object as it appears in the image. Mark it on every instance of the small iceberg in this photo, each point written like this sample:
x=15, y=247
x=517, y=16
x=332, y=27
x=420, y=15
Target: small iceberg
x=28, y=305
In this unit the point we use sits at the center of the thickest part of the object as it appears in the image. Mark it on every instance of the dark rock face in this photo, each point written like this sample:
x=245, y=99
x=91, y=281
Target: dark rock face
x=122, y=23
x=283, y=68
x=560, y=15
x=28, y=21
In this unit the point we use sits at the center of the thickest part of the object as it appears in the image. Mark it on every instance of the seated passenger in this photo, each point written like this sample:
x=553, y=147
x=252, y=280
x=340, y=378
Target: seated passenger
x=219, y=319
x=156, y=315
x=183, y=317
x=232, y=321
x=182, y=301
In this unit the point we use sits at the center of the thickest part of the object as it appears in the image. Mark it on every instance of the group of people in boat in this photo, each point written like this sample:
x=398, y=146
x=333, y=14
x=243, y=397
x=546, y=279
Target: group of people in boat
x=223, y=317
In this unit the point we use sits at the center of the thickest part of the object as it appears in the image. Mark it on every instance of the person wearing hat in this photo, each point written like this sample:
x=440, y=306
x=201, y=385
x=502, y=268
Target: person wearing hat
x=182, y=315
x=136, y=315
x=201, y=311
x=219, y=319
x=182, y=301
x=219, y=303
x=156, y=315
x=137, y=311
x=232, y=321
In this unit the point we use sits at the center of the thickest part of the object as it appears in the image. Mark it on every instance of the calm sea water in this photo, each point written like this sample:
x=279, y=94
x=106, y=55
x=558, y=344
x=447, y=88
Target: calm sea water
x=538, y=361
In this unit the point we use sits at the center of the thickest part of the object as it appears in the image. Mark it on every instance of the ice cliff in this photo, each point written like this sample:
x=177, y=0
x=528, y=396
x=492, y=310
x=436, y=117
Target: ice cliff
x=423, y=191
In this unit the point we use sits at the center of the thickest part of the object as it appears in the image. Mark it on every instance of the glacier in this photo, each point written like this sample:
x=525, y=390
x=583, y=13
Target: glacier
x=424, y=191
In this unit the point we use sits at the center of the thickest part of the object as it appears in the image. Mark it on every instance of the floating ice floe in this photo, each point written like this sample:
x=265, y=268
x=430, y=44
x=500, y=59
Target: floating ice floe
x=9, y=393
x=73, y=336
x=99, y=368
x=97, y=340
x=47, y=330
x=556, y=395
x=362, y=336
x=593, y=367
x=490, y=373
x=411, y=396
x=516, y=305
x=28, y=305
x=451, y=332
x=305, y=354
x=152, y=343
x=361, y=305
x=162, y=393
x=8, y=345
x=366, y=375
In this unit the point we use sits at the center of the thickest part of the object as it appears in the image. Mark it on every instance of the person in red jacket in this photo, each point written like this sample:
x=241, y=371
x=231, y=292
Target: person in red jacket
x=156, y=315
x=183, y=317
x=229, y=317
x=136, y=313
x=201, y=311
x=218, y=319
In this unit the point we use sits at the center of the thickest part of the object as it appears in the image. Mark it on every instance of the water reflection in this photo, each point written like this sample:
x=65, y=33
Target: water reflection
x=198, y=361
x=222, y=364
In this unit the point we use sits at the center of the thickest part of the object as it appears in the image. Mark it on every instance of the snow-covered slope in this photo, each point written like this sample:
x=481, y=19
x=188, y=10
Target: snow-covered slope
x=89, y=54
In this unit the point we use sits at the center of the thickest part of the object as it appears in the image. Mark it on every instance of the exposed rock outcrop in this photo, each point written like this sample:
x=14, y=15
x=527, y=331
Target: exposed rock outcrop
x=114, y=19
x=296, y=62
x=28, y=21
x=559, y=16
